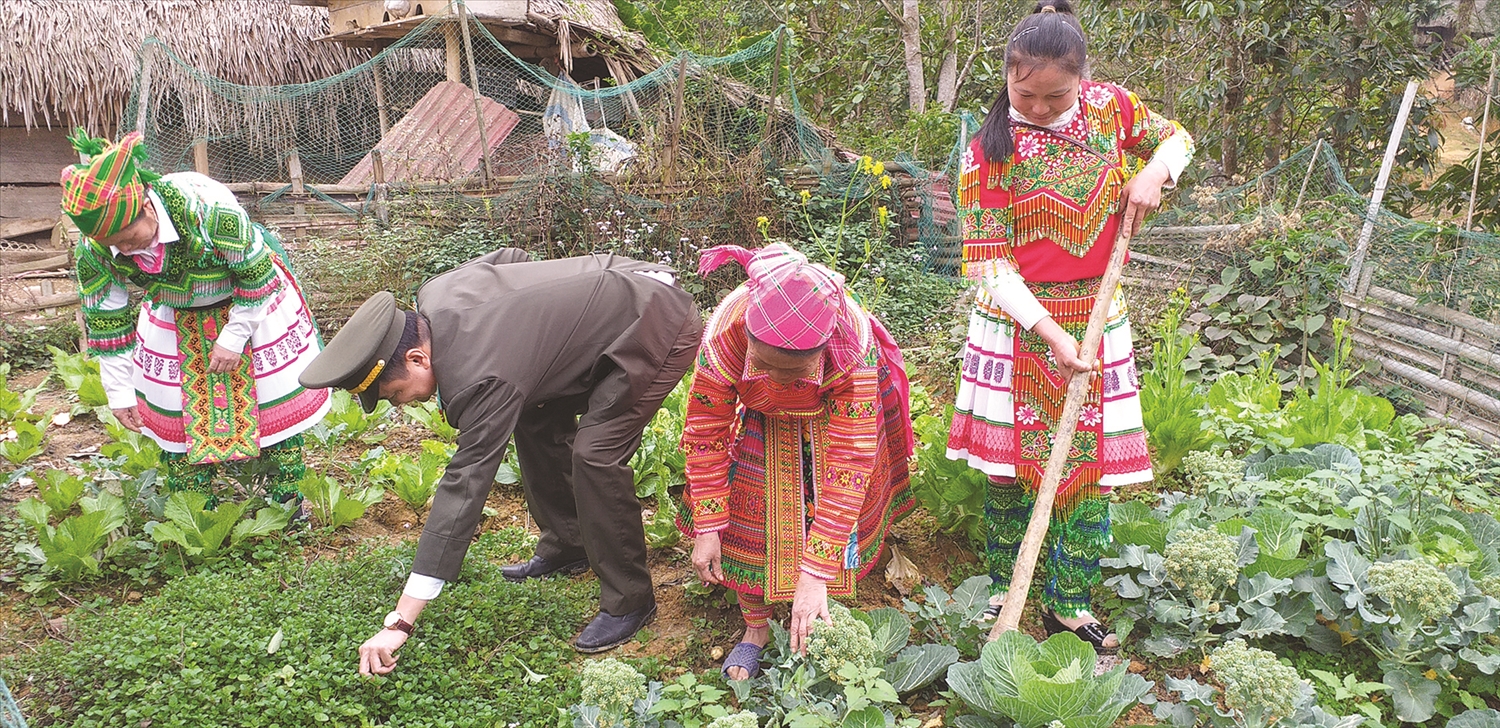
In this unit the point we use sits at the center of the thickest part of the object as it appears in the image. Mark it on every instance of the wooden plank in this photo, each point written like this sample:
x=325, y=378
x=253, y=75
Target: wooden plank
x=61, y=299
x=29, y=255
x=56, y=261
x=1417, y=357
x=1473, y=324
x=30, y=202
x=26, y=226
x=34, y=157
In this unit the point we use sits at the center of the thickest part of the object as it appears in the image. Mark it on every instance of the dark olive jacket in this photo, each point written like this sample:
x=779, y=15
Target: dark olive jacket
x=508, y=335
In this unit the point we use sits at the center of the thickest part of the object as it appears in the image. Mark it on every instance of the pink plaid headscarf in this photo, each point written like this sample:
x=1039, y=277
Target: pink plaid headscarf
x=794, y=304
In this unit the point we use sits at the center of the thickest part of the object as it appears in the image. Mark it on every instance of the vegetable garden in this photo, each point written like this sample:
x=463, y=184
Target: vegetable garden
x=1313, y=552
x=1307, y=556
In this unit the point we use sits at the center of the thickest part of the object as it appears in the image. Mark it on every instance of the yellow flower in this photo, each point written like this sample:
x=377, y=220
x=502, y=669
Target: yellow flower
x=883, y=214
x=762, y=224
x=885, y=182
x=806, y=196
x=878, y=169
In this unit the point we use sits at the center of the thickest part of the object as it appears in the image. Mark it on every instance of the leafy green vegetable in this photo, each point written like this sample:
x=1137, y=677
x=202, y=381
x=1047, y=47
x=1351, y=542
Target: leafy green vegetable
x=430, y=415
x=202, y=533
x=71, y=549
x=331, y=505
x=1035, y=684
x=414, y=481
x=1170, y=403
x=950, y=490
x=80, y=375
x=29, y=442
x=60, y=491
x=15, y=405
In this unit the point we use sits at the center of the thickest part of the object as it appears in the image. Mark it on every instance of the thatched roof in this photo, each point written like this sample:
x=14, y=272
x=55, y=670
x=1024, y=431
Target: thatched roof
x=69, y=62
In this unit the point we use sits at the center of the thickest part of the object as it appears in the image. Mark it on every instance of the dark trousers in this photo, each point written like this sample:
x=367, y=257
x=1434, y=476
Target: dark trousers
x=580, y=488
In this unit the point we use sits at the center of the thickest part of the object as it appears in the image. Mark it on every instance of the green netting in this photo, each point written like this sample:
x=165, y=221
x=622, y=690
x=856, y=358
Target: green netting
x=10, y=713
x=691, y=118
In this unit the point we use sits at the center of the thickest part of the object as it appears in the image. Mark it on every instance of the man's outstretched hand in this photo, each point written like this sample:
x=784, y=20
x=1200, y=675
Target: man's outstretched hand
x=377, y=656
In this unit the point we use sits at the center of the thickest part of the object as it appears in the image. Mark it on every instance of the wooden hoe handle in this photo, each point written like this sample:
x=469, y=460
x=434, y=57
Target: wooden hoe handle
x=1067, y=424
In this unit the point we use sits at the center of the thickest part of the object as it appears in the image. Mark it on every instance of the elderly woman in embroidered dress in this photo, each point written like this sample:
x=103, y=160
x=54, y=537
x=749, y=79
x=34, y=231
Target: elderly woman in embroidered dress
x=1044, y=188
x=797, y=438
x=207, y=364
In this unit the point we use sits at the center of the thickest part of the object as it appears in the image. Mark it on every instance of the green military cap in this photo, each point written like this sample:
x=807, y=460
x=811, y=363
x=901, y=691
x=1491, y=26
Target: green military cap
x=360, y=351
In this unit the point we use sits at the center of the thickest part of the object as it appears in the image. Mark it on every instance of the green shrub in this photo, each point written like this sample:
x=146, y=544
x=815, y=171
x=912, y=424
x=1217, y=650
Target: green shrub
x=27, y=346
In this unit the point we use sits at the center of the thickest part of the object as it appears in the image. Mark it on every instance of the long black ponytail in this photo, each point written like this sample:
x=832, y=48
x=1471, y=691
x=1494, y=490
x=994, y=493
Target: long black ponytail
x=1050, y=35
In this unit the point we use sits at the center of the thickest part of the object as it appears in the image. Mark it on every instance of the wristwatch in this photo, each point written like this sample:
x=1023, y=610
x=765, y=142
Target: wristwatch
x=394, y=620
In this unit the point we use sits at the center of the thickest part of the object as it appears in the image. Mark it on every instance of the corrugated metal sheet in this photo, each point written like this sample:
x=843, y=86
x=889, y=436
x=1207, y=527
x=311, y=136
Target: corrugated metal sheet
x=438, y=140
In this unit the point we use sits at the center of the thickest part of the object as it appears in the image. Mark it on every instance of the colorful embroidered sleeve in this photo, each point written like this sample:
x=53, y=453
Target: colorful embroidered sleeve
x=712, y=407
x=236, y=242
x=706, y=437
x=1150, y=135
x=985, y=230
x=853, y=424
x=108, y=317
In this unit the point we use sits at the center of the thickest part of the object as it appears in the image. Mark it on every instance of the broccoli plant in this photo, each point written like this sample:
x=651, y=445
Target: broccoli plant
x=742, y=719
x=1209, y=586
x=843, y=642
x=1258, y=692
x=855, y=669
x=1417, y=620
x=613, y=694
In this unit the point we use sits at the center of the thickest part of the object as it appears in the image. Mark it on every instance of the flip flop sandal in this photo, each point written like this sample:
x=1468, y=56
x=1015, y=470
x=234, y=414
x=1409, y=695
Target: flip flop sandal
x=745, y=655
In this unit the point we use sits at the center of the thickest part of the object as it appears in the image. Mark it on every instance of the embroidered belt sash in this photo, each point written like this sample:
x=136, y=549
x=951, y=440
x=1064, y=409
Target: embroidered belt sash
x=788, y=466
x=1039, y=390
x=220, y=411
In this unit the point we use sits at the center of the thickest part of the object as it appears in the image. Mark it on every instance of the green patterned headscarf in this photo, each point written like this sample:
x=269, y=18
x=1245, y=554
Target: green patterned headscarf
x=106, y=193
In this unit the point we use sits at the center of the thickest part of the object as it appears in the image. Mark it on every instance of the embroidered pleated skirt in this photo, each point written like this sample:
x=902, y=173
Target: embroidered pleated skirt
x=1009, y=399
x=177, y=399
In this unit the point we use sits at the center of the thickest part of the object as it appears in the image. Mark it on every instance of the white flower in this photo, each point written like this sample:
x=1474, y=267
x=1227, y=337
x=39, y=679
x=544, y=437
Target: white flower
x=1029, y=147
x=1090, y=416
x=1097, y=96
x=1026, y=415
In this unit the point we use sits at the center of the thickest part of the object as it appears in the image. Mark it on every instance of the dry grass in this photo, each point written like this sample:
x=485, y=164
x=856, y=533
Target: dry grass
x=73, y=63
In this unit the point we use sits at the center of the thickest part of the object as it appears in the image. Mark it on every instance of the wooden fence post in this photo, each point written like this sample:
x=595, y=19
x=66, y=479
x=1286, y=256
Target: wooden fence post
x=294, y=171
x=775, y=93
x=1311, y=164
x=1358, y=281
x=669, y=170
x=382, y=190
x=200, y=156
x=484, y=141
x=452, y=56
x=381, y=107
x=1484, y=127
x=145, y=91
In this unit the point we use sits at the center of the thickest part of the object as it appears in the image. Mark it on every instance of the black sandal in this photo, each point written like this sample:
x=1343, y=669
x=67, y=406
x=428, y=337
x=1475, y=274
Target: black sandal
x=1094, y=633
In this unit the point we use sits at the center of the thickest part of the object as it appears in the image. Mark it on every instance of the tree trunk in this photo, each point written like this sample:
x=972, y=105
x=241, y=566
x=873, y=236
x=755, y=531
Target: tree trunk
x=1275, y=132
x=911, y=41
x=947, y=82
x=1234, y=99
x=1462, y=16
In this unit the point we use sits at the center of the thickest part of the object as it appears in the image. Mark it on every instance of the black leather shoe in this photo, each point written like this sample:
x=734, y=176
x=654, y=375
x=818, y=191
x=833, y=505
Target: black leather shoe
x=607, y=631
x=539, y=567
x=1094, y=633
